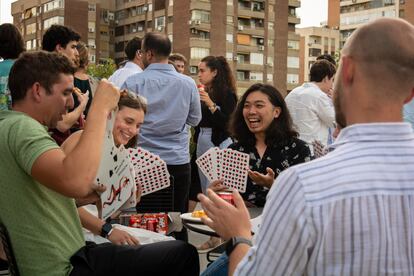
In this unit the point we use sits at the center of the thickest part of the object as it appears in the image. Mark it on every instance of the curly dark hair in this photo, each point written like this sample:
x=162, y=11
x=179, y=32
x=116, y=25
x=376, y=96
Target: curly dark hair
x=224, y=79
x=11, y=41
x=279, y=131
x=43, y=67
x=58, y=34
x=132, y=47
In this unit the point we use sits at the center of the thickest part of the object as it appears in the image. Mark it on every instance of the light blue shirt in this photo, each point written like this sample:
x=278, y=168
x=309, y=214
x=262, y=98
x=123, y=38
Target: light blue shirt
x=173, y=102
x=408, y=113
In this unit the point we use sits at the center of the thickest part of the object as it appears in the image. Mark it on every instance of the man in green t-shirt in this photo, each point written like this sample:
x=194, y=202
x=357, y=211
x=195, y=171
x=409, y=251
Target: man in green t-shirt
x=38, y=181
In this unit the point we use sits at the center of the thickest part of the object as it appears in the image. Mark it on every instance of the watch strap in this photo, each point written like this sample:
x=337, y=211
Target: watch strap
x=106, y=229
x=233, y=242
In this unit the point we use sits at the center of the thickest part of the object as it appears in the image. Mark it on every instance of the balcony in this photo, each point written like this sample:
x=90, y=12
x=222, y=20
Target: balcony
x=294, y=3
x=293, y=19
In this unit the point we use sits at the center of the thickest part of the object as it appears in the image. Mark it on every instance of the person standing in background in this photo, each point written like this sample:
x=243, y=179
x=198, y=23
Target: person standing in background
x=11, y=46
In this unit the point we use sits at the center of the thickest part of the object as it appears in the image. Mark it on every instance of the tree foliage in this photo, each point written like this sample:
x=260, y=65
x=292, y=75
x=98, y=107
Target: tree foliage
x=104, y=69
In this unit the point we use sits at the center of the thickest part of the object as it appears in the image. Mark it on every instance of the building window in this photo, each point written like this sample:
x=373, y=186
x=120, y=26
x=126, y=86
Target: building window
x=193, y=70
x=203, y=16
x=91, y=43
x=256, y=76
x=92, y=58
x=160, y=22
x=31, y=28
x=198, y=53
x=292, y=44
x=53, y=5
x=91, y=7
x=270, y=25
x=256, y=58
x=91, y=27
x=243, y=58
x=293, y=62
x=242, y=75
x=229, y=37
x=53, y=20
x=31, y=44
x=243, y=39
x=292, y=78
x=314, y=52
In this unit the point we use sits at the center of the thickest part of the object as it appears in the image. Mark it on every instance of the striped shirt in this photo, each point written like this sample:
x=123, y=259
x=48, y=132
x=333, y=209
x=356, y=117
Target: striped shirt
x=350, y=212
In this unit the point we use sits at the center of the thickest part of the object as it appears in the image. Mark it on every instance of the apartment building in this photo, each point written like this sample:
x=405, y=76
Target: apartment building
x=257, y=37
x=93, y=19
x=315, y=41
x=350, y=14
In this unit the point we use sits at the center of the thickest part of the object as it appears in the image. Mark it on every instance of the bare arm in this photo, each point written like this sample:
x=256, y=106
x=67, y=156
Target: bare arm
x=72, y=174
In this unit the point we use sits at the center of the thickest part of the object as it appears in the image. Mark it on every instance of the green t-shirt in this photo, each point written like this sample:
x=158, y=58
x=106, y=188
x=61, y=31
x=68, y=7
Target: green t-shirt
x=44, y=226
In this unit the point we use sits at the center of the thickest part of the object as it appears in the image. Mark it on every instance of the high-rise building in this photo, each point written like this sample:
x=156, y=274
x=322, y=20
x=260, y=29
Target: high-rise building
x=252, y=34
x=350, y=14
x=314, y=42
x=92, y=19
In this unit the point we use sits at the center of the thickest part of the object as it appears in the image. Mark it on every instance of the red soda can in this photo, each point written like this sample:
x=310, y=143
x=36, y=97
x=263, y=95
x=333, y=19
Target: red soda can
x=152, y=224
x=227, y=197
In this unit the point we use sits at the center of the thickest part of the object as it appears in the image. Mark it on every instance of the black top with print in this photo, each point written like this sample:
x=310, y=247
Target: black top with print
x=278, y=157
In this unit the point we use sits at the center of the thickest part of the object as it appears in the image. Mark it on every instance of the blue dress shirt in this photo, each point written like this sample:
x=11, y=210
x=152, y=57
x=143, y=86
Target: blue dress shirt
x=173, y=102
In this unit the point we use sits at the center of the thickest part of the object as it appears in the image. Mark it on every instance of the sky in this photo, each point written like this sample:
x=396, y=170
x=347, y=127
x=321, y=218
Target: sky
x=311, y=12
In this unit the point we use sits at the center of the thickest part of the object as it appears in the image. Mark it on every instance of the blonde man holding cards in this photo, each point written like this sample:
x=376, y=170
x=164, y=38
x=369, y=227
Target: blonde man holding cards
x=38, y=181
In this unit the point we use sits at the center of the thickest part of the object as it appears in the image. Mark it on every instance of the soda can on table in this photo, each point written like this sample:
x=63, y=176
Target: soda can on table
x=227, y=196
x=152, y=224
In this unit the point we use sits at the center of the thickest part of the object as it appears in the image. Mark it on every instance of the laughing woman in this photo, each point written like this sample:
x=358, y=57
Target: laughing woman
x=263, y=129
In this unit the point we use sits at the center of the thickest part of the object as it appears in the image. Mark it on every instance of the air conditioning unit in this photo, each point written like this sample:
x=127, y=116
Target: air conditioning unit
x=261, y=47
x=197, y=22
x=261, y=41
x=145, y=8
x=92, y=46
x=270, y=64
x=160, y=28
x=134, y=30
x=236, y=58
x=193, y=69
x=140, y=28
x=194, y=31
x=111, y=16
x=252, y=77
x=240, y=28
x=91, y=30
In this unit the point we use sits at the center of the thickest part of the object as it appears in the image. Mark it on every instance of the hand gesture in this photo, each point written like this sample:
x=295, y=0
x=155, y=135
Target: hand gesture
x=121, y=237
x=217, y=186
x=227, y=220
x=93, y=196
x=83, y=98
x=106, y=96
x=261, y=179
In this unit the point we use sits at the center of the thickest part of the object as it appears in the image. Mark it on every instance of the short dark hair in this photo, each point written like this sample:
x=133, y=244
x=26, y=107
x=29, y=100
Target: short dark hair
x=11, y=41
x=58, y=34
x=43, y=67
x=279, y=131
x=327, y=57
x=321, y=69
x=177, y=56
x=132, y=47
x=157, y=42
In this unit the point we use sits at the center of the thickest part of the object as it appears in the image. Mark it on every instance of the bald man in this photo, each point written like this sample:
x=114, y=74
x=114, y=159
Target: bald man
x=350, y=212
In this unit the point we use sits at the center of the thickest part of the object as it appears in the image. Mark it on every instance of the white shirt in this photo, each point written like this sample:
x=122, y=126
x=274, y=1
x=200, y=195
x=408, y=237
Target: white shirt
x=312, y=112
x=119, y=77
x=350, y=212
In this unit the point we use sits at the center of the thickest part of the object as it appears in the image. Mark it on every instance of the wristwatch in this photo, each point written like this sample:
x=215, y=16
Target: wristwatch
x=212, y=108
x=106, y=230
x=233, y=242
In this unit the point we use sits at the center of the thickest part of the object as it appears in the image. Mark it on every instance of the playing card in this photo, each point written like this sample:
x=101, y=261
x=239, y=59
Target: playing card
x=150, y=171
x=115, y=173
x=228, y=165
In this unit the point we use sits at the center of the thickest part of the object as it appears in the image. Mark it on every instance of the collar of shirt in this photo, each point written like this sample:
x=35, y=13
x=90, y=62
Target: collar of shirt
x=160, y=66
x=374, y=132
x=310, y=84
x=132, y=65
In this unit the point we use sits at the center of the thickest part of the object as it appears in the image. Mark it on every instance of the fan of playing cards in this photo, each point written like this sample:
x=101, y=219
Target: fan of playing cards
x=229, y=165
x=150, y=171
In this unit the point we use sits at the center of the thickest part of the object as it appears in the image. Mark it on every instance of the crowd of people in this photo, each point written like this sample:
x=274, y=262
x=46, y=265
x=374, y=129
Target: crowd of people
x=347, y=212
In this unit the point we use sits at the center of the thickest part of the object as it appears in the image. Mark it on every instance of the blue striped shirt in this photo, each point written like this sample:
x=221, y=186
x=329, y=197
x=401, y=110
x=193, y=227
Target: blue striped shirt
x=173, y=103
x=350, y=212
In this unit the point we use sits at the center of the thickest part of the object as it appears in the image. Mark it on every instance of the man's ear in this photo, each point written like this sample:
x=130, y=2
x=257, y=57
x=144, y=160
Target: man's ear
x=348, y=70
x=36, y=92
x=59, y=48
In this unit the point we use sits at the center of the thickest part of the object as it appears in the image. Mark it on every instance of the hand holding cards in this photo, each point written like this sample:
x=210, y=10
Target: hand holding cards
x=229, y=165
